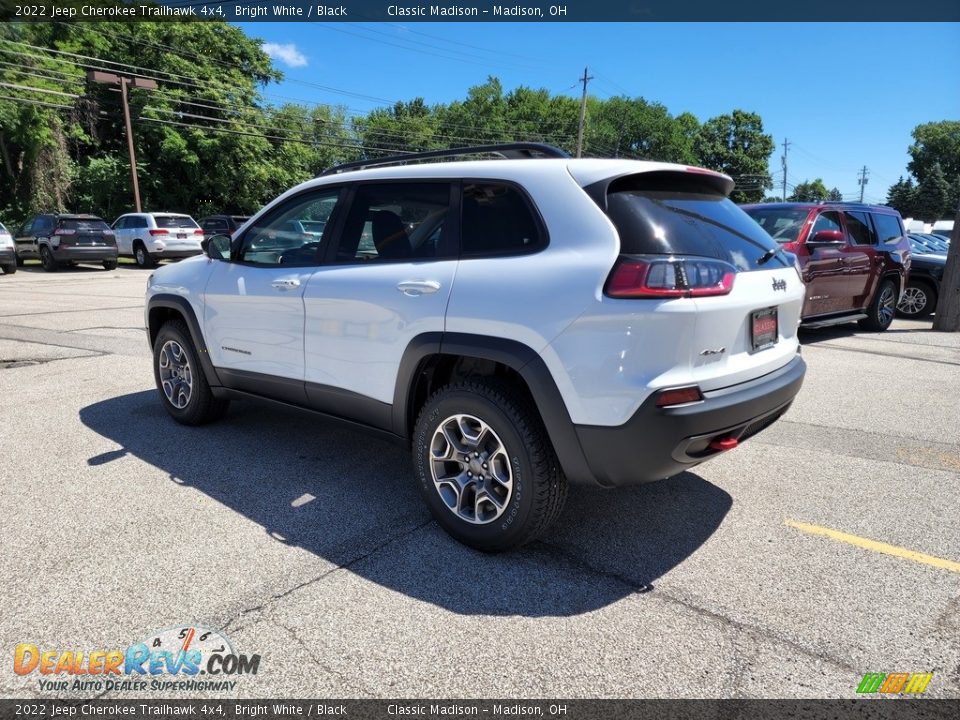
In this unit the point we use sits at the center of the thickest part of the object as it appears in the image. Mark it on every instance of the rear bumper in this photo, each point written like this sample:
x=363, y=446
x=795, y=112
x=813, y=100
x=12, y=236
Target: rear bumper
x=657, y=443
x=85, y=253
x=175, y=253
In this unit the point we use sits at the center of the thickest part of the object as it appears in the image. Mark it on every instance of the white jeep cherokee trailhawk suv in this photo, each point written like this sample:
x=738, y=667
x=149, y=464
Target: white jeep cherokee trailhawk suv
x=520, y=323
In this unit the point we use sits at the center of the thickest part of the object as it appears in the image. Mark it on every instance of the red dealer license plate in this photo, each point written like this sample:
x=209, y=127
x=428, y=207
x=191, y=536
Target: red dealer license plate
x=765, y=329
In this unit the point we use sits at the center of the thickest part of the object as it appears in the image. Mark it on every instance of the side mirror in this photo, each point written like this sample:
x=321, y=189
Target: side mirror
x=826, y=238
x=218, y=247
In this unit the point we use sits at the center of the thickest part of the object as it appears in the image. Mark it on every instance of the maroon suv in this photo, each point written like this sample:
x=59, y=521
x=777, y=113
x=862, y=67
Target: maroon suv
x=854, y=258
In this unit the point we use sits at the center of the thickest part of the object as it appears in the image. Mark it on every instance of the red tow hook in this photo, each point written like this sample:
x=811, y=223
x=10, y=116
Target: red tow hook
x=722, y=444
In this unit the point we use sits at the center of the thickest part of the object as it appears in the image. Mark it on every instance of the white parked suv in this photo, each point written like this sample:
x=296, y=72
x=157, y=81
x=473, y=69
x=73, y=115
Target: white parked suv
x=519, y=323
x=149, y=237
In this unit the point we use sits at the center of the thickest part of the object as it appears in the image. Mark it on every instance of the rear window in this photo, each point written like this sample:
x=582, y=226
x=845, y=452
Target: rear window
x=688, y=223
x=239, y=219
x=83, y=224
x=174, y=221
x=782, y=224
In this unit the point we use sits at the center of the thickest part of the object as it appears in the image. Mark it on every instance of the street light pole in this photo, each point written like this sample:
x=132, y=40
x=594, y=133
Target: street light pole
x=125, y=81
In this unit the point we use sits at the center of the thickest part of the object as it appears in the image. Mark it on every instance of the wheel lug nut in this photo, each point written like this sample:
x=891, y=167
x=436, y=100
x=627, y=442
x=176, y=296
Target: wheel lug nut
x=484, y=466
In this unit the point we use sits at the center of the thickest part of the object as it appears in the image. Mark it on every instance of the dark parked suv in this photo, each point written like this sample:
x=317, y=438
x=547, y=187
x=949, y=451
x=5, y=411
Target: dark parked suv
x=854, y=258
x=220, y=225
x=67, y=239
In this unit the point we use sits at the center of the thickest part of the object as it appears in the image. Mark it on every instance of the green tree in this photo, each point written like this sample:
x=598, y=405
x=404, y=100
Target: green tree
x=902, y=195
x=736, y=145
x=808, y=191
x=835, y=195
x=933, y=195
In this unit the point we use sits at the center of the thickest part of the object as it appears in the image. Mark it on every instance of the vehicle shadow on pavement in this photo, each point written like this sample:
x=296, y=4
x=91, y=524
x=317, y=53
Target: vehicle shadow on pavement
x=350, y=499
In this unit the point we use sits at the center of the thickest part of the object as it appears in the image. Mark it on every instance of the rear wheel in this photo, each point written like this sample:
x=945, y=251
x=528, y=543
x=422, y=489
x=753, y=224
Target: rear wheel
x=10, y=269
x=919, y=300
x=19, y=261
x=485, y=466
x=881, y=310
x=181, y=383
x=110, y=264
x=46, y=259
x=141, y=255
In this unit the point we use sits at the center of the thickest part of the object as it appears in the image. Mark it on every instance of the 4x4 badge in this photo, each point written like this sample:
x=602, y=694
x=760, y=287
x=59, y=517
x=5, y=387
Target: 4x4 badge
x=780, y=285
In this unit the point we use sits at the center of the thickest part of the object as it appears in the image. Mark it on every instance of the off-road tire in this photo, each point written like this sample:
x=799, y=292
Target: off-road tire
x=539, y=488
x=202, y=407
x=877, y=318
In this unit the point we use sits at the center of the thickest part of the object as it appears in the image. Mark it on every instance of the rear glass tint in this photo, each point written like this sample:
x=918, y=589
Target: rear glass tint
x=688, y=223
x=83, y=224
x=174, y=221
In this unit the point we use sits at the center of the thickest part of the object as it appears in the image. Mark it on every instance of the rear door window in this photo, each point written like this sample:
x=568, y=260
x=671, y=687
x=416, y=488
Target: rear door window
x=860, y=228
x=653, y=222
x=497, y=219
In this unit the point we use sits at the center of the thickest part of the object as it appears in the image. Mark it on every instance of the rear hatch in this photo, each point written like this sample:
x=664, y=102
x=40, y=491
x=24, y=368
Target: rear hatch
x=732, y=294
x=182, y=231
x=84, y=232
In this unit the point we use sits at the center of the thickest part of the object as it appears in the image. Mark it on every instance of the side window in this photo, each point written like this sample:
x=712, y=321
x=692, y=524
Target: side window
x=888, y=227
x=120, y=224
x=860, y=229
x=43, y=226
x=397, y=221
x=291, y=234
x=139, y=222
x=27, y=228
x=498, y=220
x=826, y=221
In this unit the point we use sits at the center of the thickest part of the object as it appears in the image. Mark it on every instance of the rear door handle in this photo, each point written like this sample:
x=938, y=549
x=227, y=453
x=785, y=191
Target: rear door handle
x=286, y=283
x=414, y=288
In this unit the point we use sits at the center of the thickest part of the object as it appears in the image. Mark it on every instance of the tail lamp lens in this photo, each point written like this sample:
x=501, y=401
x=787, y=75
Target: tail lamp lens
x=159, y=232
x=669, y=277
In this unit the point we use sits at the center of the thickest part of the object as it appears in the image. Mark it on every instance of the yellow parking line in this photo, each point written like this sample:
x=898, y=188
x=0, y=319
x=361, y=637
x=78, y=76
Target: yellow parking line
x=879, y=547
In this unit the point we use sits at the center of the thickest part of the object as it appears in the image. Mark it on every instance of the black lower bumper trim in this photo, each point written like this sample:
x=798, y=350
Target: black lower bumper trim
x=657, y=443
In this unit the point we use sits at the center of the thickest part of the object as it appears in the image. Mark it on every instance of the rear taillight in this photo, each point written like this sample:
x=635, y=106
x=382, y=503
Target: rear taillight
x=65, y=231
x=198, y=231
x=669, y=277
x=679, y=396
x=159, y=232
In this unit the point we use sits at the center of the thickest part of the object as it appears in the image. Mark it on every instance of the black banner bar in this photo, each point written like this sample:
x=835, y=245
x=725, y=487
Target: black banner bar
x=872, y=709
x=480, y=11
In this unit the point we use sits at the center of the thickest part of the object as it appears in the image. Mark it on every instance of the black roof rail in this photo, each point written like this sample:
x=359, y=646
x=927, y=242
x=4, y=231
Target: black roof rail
x=512, y=151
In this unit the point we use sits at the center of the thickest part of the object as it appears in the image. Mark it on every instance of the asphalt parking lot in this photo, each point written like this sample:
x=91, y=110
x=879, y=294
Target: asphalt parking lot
x=307, y=544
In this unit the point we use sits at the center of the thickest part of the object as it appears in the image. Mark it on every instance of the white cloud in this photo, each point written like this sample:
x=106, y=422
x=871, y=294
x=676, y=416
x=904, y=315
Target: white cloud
x=287, y=54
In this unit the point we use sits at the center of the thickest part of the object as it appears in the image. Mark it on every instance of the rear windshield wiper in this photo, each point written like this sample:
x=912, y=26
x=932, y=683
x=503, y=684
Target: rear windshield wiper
x=769, y=255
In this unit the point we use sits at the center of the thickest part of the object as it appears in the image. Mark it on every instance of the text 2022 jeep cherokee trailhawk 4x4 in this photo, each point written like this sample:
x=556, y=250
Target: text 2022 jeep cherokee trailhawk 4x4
x=518, y=322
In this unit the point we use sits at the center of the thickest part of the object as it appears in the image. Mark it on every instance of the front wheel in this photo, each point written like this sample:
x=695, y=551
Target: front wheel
x=919, y=300
x=881, y=310
x=142, y=257
x=181, y=383
x=485, y=466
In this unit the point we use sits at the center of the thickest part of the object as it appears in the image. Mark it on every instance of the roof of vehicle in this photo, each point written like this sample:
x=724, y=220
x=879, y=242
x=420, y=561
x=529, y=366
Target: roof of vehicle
x=585, y=171
x=159, y=212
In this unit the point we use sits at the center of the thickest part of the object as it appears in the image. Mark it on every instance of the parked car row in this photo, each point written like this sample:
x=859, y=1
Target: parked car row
x=65, y=239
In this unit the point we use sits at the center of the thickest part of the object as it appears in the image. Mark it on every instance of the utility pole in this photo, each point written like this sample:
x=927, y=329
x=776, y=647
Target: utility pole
x=783, y=162
x=862, y=180
x=126, y=81
x=583, y=112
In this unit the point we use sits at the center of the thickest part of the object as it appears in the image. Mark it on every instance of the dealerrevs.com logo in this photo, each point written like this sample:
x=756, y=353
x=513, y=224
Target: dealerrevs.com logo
x=894, y=683
x=171, y=659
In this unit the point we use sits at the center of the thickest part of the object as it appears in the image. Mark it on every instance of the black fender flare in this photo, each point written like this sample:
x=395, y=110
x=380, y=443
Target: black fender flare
x=515, y=355
x=185, y=310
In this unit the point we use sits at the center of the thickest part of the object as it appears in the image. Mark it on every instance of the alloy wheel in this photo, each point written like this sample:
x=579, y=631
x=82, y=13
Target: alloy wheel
x=887, y=305
x=914, y=301
x=176, y=375
x=471, y=469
